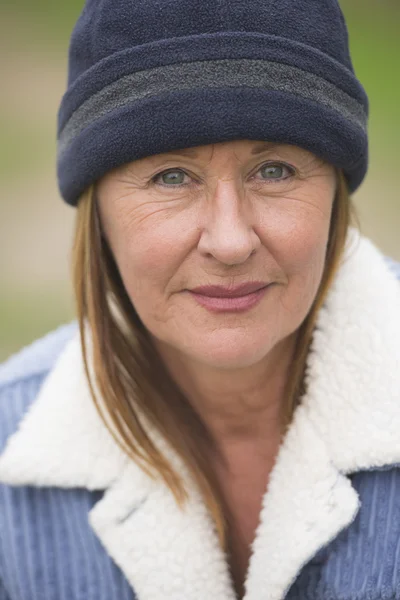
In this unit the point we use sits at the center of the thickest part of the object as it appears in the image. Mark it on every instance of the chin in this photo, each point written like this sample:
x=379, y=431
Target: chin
x=230, y=355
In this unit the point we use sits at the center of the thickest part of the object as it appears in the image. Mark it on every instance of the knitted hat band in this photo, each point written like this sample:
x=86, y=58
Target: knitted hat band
x=196, y=90
x=259, y=74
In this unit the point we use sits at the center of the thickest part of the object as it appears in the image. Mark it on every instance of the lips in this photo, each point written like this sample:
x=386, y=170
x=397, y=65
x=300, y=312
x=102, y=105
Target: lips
x=217, y=291
x=223, y=300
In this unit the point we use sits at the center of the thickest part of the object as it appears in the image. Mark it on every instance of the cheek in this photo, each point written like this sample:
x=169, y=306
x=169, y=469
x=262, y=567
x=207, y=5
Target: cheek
x=304, y=269
x=148, y=254
x=296, y=235
x=304, y=248
x=302, y=256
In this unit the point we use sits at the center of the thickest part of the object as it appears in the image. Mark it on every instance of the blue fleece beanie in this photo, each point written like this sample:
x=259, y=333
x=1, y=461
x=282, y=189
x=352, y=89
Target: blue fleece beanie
x=150, y=76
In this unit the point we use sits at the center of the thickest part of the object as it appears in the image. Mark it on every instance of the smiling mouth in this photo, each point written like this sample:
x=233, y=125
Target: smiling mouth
x=218, y=291
x=219, y=300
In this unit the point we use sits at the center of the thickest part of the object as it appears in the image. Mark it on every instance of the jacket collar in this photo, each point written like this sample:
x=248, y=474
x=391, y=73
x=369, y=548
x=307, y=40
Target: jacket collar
x=348, y=421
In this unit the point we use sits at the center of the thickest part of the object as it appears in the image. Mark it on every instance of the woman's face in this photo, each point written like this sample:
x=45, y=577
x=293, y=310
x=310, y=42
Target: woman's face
x=227, y=214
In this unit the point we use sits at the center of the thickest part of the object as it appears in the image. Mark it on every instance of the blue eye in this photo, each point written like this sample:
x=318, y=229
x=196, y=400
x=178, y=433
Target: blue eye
x=276, y=171
x=171, y=178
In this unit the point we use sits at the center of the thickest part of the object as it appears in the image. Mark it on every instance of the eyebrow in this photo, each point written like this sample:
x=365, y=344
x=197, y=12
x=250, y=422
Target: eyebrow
x=263, y=147
x=191, y=152
x=185, y=152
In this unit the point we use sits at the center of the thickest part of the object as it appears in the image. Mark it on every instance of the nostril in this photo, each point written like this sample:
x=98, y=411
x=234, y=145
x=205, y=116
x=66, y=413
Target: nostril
x=230, y=241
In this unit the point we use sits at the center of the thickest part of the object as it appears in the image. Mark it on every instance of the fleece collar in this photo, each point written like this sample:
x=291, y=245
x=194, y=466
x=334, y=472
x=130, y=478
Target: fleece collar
x=348, y=421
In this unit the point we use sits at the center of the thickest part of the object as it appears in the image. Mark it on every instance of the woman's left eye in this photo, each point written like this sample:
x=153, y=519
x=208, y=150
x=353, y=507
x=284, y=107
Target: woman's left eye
x=276, y=171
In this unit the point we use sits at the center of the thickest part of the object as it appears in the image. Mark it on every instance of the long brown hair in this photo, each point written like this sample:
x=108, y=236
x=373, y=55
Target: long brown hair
x=130, y=377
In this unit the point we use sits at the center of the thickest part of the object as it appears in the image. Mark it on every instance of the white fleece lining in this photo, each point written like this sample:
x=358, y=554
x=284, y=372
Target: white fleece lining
x=349, y=419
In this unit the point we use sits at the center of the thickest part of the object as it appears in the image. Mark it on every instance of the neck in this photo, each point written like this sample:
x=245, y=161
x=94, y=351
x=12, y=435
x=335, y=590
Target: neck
x=243, y=408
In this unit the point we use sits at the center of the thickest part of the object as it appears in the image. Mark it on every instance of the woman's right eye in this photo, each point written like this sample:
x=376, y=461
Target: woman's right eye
x=170, y=178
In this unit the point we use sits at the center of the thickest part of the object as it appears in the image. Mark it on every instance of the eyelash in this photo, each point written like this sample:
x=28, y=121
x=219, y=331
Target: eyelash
x=291, y=170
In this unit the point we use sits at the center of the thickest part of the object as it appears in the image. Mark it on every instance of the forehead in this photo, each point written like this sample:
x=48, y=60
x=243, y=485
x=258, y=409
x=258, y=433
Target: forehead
x=252, y=147
x=242, y=149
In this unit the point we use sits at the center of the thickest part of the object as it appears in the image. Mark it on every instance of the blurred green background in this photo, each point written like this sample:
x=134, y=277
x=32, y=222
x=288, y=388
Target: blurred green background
x=36, y=227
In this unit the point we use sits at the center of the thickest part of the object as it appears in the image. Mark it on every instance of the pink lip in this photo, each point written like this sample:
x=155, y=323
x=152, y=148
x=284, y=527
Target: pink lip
x=219, y=299
x=219, y=291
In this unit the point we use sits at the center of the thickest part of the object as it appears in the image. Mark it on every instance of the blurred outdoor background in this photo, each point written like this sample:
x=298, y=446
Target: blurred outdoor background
x=36, y=226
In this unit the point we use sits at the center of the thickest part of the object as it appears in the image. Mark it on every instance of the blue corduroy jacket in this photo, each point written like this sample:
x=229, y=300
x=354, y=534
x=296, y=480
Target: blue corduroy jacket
x=79, y=521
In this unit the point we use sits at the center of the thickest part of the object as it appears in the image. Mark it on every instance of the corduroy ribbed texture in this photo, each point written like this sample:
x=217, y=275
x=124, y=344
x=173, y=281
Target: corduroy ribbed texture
x=47, y=549
x=49, y=552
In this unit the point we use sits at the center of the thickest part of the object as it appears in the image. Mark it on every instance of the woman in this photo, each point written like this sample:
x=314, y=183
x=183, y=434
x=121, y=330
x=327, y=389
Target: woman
x=224, y=423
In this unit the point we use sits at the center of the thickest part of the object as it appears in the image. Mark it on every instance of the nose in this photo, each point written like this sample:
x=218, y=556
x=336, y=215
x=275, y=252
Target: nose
x=228, y=234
